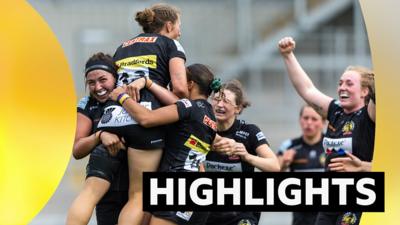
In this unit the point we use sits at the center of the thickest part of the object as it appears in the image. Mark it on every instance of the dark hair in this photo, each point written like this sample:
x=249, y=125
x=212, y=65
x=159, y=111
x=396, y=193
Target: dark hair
x=101, y=61
x=237, y=89
x=309, y=106
x=204, y=78
x=153, y=19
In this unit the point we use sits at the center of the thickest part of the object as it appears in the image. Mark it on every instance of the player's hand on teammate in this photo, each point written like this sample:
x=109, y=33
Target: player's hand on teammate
x=288, y=157
x=112, y=143
x=225, y=146
x=240, y=150
x=133, y=89
x=116, y=92
x=346, y=164
x=286, y=45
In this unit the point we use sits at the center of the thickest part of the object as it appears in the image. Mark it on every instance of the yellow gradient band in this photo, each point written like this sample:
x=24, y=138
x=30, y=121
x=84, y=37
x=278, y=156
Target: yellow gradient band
x=37, y=116
x=382, y=20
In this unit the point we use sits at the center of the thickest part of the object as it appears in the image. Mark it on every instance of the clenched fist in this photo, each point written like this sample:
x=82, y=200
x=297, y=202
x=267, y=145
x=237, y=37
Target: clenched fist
x=286, y=45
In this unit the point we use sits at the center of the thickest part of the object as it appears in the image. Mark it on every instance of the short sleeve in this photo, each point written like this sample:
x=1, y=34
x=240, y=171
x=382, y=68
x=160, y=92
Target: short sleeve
x=83, y=106
x=334, y=106
x=257, y=137
x=185, y=108
x=175, y=49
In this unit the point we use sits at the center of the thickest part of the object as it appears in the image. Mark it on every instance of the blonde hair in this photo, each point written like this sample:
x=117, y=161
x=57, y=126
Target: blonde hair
x=367, y=80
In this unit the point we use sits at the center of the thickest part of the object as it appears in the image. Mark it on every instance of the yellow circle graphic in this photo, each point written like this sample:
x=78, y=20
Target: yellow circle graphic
x=37, y=116
x=382, y=23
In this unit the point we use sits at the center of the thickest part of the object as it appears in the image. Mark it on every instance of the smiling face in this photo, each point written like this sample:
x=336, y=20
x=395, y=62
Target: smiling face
x=224, y=105
x=100, y=84
x=351, y=94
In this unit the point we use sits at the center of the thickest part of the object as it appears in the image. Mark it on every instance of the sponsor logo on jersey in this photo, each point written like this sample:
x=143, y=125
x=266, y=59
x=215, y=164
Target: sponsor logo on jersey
x=197, y=145
x=337, y=145
x=184, y=215
x=260, y=136
x=139, y=40
x=94, y=107
x=117, y=116
x=186, y=102
x=156, y=141
x=348, y=128
x=349, y=218
x=147, y=61
x=128, y=75
x=212, y=166
x=200, y=104
x=242, y=134
x=193, y=160
x=210, y=123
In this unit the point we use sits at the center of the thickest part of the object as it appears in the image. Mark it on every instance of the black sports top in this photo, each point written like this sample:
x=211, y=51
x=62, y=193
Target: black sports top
x=248, y=134
x=308, y=158
x=189, y=140
x=354, y=132
x=147, y=55
x=92, y=109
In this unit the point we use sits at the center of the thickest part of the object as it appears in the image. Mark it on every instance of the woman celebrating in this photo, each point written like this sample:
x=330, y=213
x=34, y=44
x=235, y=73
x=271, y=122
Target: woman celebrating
x=191, y=133
x=251, y=150
x=106, y=185
x=351, y=128
x=154, y=54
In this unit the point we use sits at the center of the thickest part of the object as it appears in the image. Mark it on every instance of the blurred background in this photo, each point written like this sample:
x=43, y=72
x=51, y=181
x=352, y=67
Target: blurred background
x=237, y=39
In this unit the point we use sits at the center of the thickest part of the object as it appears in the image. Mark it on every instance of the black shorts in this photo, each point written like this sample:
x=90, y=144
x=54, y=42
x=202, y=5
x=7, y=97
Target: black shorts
x=109, y=207
x=233, y=218
x=183, y=218
x=338, y=218
x=138, y=137
x=117, y=121
x=304, y=218
x=102, y=165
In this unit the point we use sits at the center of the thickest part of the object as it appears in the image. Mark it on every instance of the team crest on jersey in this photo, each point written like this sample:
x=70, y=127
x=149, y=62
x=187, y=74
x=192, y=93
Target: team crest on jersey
x=348, y=128
x=210, y=123
x=244, y=222
x=184, y=215
x=139, y=40
x=322, y=159
x=349, y=218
